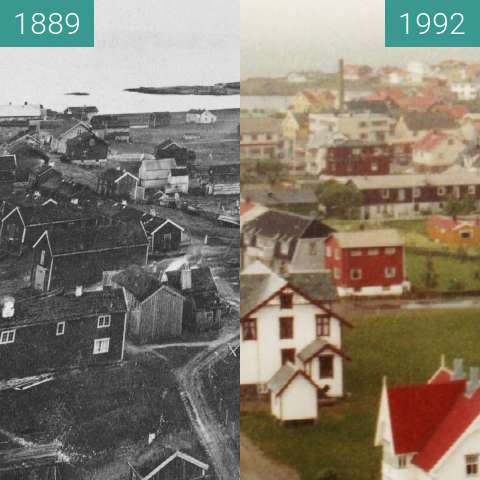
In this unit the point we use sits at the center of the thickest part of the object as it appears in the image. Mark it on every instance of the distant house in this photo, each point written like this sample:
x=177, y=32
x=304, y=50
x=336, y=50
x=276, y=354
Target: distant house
x=25, y=220
x=117, y=183
x=354, y=73
x=357, y=158
x=40, y=174
x=56, y=333
x=69, y=131
x=8, y=168
x=290, y=320
x=223, y=179
x=26, y=112
x=296, y=127
x=367, y=262
x=203, y=309
x=84, y=113
x=87, y=149
x=176, y=466
x=154, y=174
x=415, y=125
x=459, y=231
x=155, y=311
x=261, y=138
x=397, y=196
x=436, y=151
x=309, y=101
x=111, y=128
x=291, y=199
x=285, y=242
x=430, y=431
x=178, y=180
x=72, y=257
x=169, y=149
x=203, y=117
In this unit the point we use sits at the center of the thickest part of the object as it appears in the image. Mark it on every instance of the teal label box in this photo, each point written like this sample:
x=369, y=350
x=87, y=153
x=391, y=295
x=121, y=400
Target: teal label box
x=432, y=23
x=47, y=23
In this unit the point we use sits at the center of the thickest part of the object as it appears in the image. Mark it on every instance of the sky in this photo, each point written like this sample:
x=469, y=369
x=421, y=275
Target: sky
x=280, y=36
x=137, y=43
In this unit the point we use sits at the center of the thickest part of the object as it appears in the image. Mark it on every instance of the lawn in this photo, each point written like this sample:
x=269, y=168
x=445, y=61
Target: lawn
x=404, y=346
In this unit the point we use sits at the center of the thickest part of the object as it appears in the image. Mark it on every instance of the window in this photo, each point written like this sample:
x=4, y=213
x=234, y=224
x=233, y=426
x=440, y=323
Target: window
x=401, y=195
x=284, y=247
x=373, y=251
x=323, y=326
x=402, y=461
x=249, y=329
x=210, y=317
x=60, y=328
x=288, y=355
x=328, y=251
x=390, y=272
x=374, y=166
x=336, y=273
x=286, y=327
x=7, y=336
x=356, y=253
x=355, y=274
x=325, y=363
x=286, y=300
x=472, y=190
x=104, y=321
x=42, y=258
x=471, y=465
x=390, y=251
x=101, y=345
x=441, y=191
x=338, y=254
x=416, y=192
x=466, y=234
x=385, y=194
x=313, y=248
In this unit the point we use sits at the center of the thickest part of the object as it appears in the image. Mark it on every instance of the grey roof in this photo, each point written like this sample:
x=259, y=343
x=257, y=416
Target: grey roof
x=387, y=237
x=318, y=286
x=312, y=348
x=281, y=196
x=281, y=379
x=260, y=125
x=429, y=120
x=137, y=281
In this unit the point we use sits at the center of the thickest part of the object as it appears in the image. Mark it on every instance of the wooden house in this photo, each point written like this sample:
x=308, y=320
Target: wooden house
x=155, y=310
x=169, y=149
x=40, y=174
x=71, y=257
x=117, y=183
x=178, y=180
x=202, y=117
x=176, y=466
x=87, y=149
x=84, y=113
x=69, y=130
x=154, y=174
x=459, y=231
x=203, y=310
x=65, y=189
x=111, y=128
x=8, y=168
x=42, y=334
x=223, y=179
x=24, y=220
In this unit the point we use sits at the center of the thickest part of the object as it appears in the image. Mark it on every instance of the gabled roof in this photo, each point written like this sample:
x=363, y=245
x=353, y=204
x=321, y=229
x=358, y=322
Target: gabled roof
x=387, y=237
x=160, y=164
x=137, y=281
x=284, y=377
x=180, y=455
x=318, y=285
x=317, y=347
x=202, y=280
x=26, y=110
x=416, y=411
x=428, y=120
x=431, y=140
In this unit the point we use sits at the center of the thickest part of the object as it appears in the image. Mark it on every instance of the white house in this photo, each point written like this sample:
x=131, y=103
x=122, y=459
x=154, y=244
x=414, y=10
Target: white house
x=294, y=395
x=464, y=91
x=431, y=431
x=289, y=320
x=200, y=116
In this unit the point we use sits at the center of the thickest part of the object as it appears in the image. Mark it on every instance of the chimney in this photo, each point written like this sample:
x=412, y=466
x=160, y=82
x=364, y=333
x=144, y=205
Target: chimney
x=341, y=86
x=474, y=382
x=458, y=373
x=78, y=291
x=186, y=276
x=8, y=308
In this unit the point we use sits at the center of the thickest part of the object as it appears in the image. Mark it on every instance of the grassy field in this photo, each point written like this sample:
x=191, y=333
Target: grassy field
x=404, y=346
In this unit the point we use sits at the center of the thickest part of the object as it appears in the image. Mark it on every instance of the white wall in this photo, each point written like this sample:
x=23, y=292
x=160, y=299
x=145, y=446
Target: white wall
x=299, y=401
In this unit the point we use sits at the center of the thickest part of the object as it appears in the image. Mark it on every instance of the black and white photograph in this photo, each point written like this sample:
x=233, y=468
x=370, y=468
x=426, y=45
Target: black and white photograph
x=119, y=248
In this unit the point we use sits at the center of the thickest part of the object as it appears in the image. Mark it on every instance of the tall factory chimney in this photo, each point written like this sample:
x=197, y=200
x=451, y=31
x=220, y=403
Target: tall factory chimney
x=341, y=86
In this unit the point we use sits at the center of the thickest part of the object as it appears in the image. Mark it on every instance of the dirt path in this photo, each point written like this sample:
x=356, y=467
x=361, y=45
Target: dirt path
x=254, y=465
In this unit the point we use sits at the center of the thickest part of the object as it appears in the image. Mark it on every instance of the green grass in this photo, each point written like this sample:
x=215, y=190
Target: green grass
x=403, y=345
x=452, y=273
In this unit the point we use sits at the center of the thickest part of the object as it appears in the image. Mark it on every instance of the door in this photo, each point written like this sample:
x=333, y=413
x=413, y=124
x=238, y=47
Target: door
x=39, y=280
x=167, y=242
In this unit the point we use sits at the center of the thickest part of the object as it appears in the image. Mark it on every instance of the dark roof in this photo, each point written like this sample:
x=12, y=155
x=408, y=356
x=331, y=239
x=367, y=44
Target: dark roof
x=95, y=239
x=37, y=310
x=286, y=224
x=202, y=280
x=150, y=222
x=317, y=286
x=372, y=106
x=429, y=120
x=84, y=138
x=8, y=163
x=138, y=282
x=281, y=196
x=179, y=172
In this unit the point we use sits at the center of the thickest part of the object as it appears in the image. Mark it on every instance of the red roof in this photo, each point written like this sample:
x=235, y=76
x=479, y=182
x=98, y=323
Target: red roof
x=246, y=207
x=460, y=417
x=416, y=411
x=442, y=375
x=315, y=96
x=431, y=140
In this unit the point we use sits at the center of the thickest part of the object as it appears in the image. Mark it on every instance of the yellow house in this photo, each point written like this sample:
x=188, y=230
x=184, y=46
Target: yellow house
x=295, y=127
x=310, y=101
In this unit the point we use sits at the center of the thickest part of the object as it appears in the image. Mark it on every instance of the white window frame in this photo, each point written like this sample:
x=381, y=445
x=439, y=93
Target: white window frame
x=417, y=192
x=354, y=272
x=101, y=345
x=328, y=251
x=390, y=250
x=284, y=247
x=390, y=272
x=472, y=190
x=472, y=461
x=60, y=329
x=441, y=191
x=338, y=254
x=385, y=193
x=373, y=252
x=7, y=336
x=104, y=321
x=355, y=253
x=336, y=273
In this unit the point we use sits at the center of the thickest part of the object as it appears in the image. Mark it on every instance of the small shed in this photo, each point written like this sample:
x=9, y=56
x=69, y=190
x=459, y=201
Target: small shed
x=294, y=395
x=8, y=168
x=155, y=173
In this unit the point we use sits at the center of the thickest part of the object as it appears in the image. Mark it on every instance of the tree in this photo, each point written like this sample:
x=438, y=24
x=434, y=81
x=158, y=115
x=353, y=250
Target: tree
x=430, y=277
x=272, y=170
x=459, y=206
x=339, y=199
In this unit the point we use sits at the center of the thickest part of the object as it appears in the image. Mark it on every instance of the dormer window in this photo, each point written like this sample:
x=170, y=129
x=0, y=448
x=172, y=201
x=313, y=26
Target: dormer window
x=286, y=300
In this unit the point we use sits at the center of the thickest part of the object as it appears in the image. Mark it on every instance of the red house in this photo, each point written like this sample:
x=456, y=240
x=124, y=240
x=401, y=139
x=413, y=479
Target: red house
x=354, y=158
x=369, y=262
